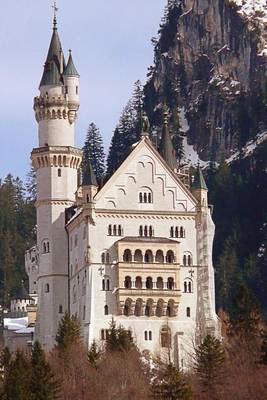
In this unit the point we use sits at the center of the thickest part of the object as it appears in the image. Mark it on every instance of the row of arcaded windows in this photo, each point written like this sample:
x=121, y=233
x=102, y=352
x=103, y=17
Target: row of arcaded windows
x=45, y=246
x=177, y=232
x=148, y=256
x=148, y=283
x=115, y=230
x=149, y=309
x=105, y=258
x=146, y=231
x=148, y=335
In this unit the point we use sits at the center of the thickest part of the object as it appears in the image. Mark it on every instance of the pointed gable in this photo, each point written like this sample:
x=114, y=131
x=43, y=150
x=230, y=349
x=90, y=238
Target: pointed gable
x=144, y=181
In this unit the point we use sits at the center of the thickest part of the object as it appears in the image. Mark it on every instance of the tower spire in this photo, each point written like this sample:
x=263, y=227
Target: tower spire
x=54, y=6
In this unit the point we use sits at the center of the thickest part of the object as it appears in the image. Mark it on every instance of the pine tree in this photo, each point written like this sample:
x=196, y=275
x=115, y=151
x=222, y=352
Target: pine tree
x=43, y=383
x=170, y=384
x=94, y=354
x=93, y=151
x=138, y=105
x=209, y=360
x=69, y=332
x=31, y=185
x=245, y=315
x=17, y=385
x=119, y=339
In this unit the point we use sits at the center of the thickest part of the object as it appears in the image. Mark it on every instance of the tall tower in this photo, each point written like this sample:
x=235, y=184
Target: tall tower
x=56, y=161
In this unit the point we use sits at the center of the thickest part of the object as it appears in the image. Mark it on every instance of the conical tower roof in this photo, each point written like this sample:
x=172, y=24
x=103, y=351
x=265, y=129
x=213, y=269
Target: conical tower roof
x=52, y=73
x=22, y=293
x=70, y=69
x=89, y=178
x=166, y=146
x=199, y=180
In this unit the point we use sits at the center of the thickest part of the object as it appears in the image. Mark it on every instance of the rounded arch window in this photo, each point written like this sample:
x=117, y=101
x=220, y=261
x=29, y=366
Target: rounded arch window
x=165, y=337
x=159, y=256
x=170, y=257
x=160, y=283
x=127, y=255
x=127, y=307
x=170, y=283
x=106, y=310
x=138, y=257
x=138, y=308
x=149, y=282
x=128, y=282
x=188, y=285
x=138, y=282
x=145, y=196
x=148, y=256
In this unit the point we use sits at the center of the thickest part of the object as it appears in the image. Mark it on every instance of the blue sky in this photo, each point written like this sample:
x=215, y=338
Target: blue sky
x=110, y=41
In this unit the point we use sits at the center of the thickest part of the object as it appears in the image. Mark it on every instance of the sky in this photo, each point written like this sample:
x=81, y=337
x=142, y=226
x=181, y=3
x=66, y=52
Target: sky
x=111, y=47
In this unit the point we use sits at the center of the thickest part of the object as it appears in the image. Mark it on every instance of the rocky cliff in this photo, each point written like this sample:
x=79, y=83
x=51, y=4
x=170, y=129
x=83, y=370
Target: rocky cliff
x=211, y=69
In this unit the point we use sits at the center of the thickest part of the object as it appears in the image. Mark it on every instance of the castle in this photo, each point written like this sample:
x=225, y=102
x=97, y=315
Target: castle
x=138, y=249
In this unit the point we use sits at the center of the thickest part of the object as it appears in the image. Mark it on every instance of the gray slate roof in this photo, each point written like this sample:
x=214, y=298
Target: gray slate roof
x=70, y=69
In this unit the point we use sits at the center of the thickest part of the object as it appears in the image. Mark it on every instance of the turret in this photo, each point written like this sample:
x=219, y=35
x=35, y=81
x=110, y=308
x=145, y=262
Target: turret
x=199, y=188
x=56, y=107
x=166, y=146
x=89, y=184
x=71, y=80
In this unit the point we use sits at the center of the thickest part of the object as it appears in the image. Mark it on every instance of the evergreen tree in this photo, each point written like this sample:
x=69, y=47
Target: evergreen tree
x=69, y=332
x=245, y=315
x=17, y=385
x=31, y=185
x=170, y=384
x=43, y=383
x=93, y=151
x=119, y=339
x=94, y=354
x=138, y=105
x=209, y=359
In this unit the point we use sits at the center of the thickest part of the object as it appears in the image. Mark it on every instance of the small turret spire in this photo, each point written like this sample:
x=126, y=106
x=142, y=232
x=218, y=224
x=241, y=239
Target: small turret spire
x=199, y=180
x=54, y=6
x=166, y=146
x=89, y=178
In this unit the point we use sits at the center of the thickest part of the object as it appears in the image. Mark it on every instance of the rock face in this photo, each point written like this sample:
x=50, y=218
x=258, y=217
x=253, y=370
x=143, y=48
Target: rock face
x=211, y=59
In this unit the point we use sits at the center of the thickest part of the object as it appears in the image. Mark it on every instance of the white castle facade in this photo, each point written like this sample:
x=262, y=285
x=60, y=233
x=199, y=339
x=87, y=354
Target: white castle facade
x=138, y=250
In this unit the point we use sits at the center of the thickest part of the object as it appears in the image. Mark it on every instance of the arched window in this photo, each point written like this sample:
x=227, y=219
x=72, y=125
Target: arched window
x=188, y=285
x=149, y=198
x=138, y=257
x=138, y=282
x=48, y=247
x=107, y=285
x=84, y=312
x=140, y=230
x=138, y=308
x=44, y=247
x=159, y=283
x=115, y=230
x=149, y=308
x=170, y=283
x=188, y=312
x=159, y=256
x=150, y=335
x=171, y=232
x=47, y=288
x=176, y=232
x=149, y=256
x=165, y=337
x=145, y=231
x=60, y=309
x=184, y=260
x=170, y=309
x=107, y=258
x=103, y=284
x=182, y=232
x=189, y=260
x=145, y=335
x=127, y=255
x=119, y=230
x=128, y=282
x=151, y=231
x=127, y=307
x=145, y=197
x=159, y=308
x=110, y=230
x=140, y=197
x=149, y=282
x=106, y=310
x=103, y=258
x=170, y=257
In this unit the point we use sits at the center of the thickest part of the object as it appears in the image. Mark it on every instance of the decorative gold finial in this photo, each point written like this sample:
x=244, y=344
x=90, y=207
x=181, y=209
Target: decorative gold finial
x=54, y=6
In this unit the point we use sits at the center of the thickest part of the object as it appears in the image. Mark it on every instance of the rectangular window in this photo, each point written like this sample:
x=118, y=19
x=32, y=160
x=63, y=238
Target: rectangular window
x=77, y=90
